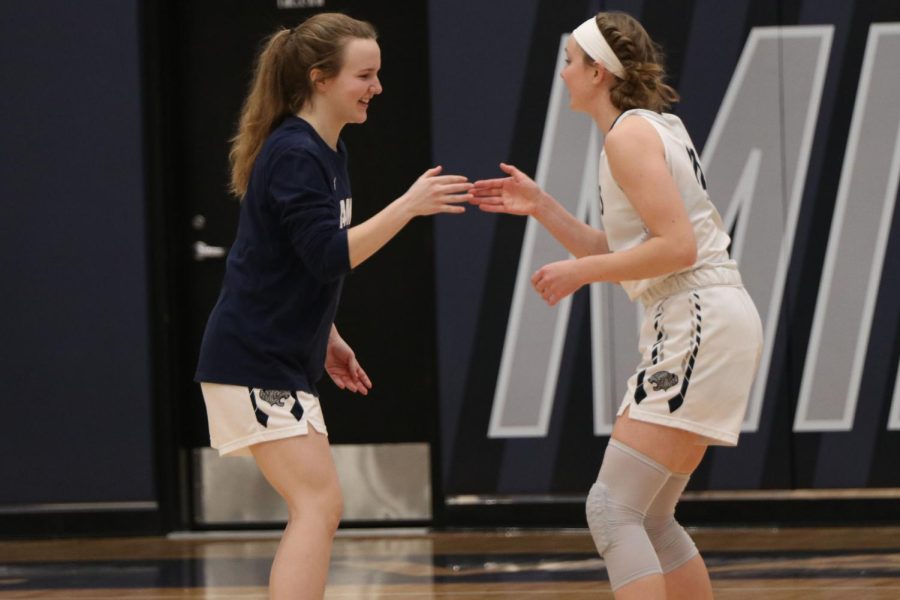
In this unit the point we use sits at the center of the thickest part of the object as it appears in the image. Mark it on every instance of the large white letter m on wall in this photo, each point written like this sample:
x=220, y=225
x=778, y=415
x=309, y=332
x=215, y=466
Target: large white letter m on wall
x=756, y=166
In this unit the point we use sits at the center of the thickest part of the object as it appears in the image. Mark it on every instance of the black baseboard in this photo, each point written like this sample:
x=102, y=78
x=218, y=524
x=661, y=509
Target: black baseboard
x=716, y=513
x=345, y=525
x=791, y=513
x=44, y=525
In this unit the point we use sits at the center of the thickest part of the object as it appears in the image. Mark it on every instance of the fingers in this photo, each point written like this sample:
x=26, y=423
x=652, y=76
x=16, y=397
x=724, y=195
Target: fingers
x=491, y=183
x=345, y=381
x=450, y=195
x=543, y=286
x=454, y=188
x=511, y=170
x=360, y=382
x=434, y=175
x=491, y=207
x=339, y=380
x=363, y=378
x=494, y=193
x=448, y=179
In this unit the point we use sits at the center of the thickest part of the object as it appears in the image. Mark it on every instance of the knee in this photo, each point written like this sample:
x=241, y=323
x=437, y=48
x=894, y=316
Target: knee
x=333, y=508
x=325, y=506
x=670, y=541
x=659, y=528
x=599, y=516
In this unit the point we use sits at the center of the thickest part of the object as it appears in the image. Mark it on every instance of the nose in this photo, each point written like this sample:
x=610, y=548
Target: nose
x=376, y=88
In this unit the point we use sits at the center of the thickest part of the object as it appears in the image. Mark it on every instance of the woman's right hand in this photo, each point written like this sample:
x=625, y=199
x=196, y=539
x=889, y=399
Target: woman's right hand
x=433, y=193
x=517, y=194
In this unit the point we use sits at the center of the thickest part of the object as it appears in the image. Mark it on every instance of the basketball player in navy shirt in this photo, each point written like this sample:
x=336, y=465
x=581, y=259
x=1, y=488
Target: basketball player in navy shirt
x=272, y=334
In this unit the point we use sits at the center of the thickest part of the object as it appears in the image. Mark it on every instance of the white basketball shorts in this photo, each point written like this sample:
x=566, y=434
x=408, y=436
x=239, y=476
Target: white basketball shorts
x=240, y=416
x=700, y=350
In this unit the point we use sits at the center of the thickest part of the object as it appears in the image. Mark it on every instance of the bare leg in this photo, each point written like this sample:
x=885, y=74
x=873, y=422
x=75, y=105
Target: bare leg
x=651, y=587
x=690, y=581
x=680, y=452
x=302, y=471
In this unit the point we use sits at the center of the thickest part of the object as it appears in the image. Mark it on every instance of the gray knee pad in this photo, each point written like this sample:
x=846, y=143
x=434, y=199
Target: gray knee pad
x=615, y=509
x=673, y=545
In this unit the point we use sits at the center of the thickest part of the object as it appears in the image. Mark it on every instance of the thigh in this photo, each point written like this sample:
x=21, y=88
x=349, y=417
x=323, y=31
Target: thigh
x=678, y=450
x=298, y=465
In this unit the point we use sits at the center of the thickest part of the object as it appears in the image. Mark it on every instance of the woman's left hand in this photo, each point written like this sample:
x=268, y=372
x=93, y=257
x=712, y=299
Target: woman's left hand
x=557, y=280
x=344, y=369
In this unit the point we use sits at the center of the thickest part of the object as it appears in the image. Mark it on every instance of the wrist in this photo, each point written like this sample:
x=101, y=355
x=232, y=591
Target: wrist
x=587, y=270
x=404, y=207
x=541, y=205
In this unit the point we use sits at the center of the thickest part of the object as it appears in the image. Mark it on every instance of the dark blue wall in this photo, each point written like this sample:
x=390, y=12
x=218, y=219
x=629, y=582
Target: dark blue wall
x=75, y=352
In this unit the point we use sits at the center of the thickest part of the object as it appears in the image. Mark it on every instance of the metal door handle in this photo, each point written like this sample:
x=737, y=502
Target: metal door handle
x=203, y=251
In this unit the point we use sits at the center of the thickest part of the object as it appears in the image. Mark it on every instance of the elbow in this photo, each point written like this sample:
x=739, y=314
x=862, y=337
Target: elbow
x=330, y=268
x=328, y=276
x=327, y=258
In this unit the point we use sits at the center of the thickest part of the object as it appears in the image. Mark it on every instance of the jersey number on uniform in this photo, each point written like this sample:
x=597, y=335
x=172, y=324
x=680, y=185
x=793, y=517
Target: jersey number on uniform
x=698, y=171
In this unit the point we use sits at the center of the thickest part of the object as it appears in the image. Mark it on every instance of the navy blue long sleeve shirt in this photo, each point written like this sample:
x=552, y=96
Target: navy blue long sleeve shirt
x=284, y=273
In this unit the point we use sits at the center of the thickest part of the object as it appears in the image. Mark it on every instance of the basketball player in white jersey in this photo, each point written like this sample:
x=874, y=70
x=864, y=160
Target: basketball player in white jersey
x=664, y=242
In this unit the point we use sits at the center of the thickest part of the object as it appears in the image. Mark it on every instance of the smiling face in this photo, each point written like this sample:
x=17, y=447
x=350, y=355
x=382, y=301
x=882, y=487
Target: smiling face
x=580, y=76
x=347, y=94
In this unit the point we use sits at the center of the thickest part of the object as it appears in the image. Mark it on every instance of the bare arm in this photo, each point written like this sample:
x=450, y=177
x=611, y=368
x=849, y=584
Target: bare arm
x=431, y=194
x=637, y=160
x=579, y=238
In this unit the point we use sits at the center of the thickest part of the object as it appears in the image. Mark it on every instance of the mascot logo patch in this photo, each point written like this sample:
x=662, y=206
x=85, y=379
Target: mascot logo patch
x=663, y=380
x=274, y=397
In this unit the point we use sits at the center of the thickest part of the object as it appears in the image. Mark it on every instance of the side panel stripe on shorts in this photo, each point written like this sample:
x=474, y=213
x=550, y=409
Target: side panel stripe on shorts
x=261, y=417
x=676, y=402
x=656, y=355
x=296, y=409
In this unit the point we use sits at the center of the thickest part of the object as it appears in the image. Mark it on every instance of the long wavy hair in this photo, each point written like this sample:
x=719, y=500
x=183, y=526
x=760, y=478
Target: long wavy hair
x=282, y=85
x=643, y=84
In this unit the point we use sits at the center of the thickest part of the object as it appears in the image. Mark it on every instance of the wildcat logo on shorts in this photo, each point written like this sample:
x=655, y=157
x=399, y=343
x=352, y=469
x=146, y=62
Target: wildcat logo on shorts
x=274, y=397
x=663, y=380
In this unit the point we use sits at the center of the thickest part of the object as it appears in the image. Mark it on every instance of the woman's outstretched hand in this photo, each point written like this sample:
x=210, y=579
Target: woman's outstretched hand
x=433, y=193
x=517, y=194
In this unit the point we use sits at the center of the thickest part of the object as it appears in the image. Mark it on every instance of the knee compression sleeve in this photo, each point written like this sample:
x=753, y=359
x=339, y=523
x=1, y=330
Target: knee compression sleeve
x=673, y=545
x=616, y=505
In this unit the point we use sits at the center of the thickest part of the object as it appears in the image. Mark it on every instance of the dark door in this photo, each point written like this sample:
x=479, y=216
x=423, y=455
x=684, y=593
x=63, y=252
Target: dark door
x=387, y=310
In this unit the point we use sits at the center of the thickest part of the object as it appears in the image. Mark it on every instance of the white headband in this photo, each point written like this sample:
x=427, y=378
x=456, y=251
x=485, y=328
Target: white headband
x=592, y=41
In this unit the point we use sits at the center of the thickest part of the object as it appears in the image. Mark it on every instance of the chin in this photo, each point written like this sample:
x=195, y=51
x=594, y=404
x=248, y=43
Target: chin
x=361, y=115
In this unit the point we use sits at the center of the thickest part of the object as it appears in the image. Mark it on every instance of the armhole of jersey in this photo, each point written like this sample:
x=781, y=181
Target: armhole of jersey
x=659, y=131
x=657, y=127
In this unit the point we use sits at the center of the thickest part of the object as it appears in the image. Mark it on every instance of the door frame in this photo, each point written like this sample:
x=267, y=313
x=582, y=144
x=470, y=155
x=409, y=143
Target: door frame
x=163, y=245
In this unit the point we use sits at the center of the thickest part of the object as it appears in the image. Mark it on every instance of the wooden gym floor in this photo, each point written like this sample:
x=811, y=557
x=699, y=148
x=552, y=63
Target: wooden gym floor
x=774, y=564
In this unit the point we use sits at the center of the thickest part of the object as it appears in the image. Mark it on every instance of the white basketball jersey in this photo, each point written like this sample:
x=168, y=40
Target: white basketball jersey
x=624, y=227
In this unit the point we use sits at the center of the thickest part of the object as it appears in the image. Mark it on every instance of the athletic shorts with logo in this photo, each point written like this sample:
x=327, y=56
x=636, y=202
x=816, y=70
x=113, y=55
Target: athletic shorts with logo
x=700, y=349
x=241, y=416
